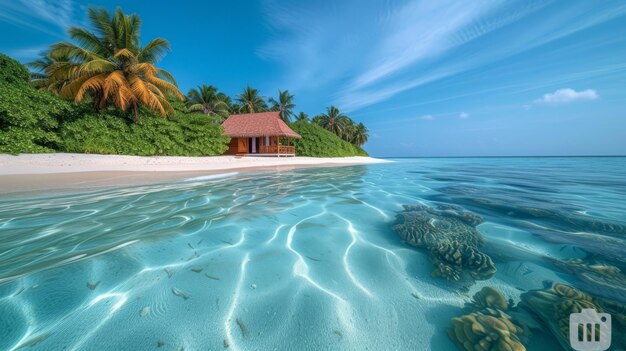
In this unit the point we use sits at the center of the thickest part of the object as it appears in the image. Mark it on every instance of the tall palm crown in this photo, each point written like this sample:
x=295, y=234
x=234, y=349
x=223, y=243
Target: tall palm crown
x=109, y=66
x=206, y=99
x=284, y=105
x=361, y=134
x=333, y=120
x=302, y=117
x=39, y=74
x=251, y=101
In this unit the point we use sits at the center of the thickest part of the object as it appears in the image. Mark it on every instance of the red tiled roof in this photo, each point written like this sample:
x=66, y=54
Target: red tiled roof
x=257, y=124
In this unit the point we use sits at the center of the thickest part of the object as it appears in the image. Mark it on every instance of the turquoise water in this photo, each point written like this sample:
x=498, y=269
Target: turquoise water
x=302, y=260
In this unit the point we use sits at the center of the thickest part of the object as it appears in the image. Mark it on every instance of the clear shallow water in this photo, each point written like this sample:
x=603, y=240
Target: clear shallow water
x=296, y=260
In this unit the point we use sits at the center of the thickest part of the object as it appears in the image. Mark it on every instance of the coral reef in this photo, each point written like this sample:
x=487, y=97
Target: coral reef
x=554, y=305
x=487, y=326
x=449, y=234
x=598, y=279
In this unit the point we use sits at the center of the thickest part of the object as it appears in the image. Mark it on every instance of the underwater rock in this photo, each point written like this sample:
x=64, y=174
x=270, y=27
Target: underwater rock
x=242, y=327
x=180, y=293
x=169, y=272
x=449, y=234
x=145, y=311
x=554, y=305
x=92, y=286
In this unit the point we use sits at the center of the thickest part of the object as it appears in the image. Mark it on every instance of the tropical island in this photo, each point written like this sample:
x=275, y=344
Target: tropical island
x=103, y=93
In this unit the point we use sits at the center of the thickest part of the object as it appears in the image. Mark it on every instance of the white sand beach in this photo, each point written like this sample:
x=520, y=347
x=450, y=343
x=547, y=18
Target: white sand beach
x=36, y=172
x=74, y=163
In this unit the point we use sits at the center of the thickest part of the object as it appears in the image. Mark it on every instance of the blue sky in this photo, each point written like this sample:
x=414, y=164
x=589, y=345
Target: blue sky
x=429, y=78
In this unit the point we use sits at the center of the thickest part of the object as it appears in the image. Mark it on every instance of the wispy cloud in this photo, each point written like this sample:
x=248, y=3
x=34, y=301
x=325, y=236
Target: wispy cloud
x=563, y=96
x=368, y=53
x=50, y=16
x=464, y=115
x=427, y=117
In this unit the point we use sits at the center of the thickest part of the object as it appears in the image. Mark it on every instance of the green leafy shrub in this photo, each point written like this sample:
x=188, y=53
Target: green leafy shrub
x=181, y=135
x=95, y=134
x=202, y=136
x=318, y=142
x=12, y=71
x=28, y=117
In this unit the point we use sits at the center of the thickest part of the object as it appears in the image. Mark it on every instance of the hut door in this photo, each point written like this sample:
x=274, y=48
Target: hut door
x=242, y=146
x=253, y=145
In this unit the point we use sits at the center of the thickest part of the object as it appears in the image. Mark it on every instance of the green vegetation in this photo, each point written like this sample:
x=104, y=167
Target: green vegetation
x=188, y=135
x=318, y=142
x=207, y=100
x=108, y=66
x=342, y=126
x=103, y=94
x=28, y=118
x=284, y=105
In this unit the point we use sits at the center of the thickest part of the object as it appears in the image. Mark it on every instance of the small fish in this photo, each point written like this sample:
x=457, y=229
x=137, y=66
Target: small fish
x=253, y=286
x=211, y=277
x=313, y=258
x=217, y=303
x=188, y=244
x=195, y=255
x=227, y=242
x=160, y=343
x=145, y=311
x=93, y=286
x=226, y=344
x=338, y=333
x=169, y=272
x=20, y=291
x=196, y=270
x=34, y=341
x=242, y=327
x=415, y=295
x=200, y=242
x=180, y=293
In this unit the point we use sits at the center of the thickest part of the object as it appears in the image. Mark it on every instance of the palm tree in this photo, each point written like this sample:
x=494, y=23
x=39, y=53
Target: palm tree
x=333, y=120
x=205, y=98
x=109, y=65
x=250, y=101
x=361, y=134
x=284, y=105
x=302, y=117
x=39, y=76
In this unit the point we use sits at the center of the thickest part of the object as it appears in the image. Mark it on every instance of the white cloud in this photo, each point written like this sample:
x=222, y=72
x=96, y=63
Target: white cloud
x=563, y=96
x=363, y=53
x=427, y=117
x=463, y=115
x=41, y=15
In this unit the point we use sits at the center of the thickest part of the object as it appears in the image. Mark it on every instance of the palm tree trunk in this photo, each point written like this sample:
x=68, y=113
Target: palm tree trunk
x=135, y=112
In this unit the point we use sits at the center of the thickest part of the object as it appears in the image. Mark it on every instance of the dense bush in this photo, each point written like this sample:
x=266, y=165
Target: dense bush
x=181, y=135
x=318, y=142
x=12, y=71
x=28, y=117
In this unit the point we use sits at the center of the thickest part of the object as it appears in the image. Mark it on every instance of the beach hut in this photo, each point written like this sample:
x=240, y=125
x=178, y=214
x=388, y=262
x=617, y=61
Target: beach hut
x=261, y=134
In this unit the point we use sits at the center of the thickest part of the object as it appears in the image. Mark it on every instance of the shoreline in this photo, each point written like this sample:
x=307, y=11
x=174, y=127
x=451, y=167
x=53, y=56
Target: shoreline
x=29, y=173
